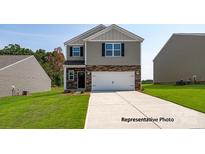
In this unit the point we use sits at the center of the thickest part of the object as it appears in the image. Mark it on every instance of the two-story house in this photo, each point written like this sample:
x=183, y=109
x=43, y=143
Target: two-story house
x=181, y=58
x=103, y=58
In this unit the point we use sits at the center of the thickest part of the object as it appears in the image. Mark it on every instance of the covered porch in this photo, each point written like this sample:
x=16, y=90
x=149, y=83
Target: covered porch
x=74, y=75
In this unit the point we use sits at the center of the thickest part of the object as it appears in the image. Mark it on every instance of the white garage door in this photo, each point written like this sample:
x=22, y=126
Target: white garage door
x=113, y=81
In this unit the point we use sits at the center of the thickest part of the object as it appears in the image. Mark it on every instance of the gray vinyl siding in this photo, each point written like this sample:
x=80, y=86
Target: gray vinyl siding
x=132, y=55
x=25, y=75
x=79, y=41
x=75, y=58
x=113, y=35
x=180, y=58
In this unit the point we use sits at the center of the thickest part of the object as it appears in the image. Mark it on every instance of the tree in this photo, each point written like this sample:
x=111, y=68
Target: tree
x=15, y=49
x=56, y=61
x=40, y=55
x=52, y=62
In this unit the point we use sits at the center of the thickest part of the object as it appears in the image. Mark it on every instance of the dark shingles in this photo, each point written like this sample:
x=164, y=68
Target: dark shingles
x=74, y=62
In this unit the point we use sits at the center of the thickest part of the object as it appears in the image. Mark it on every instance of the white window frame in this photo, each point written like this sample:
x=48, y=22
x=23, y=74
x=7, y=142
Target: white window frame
x=69, y=76
x=119, y=49
x=106, y=50
x=113, y=44
x=75, y=51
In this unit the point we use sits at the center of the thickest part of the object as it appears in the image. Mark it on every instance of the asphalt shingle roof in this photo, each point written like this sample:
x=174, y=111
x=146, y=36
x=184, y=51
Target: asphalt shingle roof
x=75, y=62
x=6, y=60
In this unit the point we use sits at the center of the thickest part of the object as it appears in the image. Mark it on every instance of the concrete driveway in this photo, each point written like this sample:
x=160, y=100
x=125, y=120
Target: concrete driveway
x=137, y=110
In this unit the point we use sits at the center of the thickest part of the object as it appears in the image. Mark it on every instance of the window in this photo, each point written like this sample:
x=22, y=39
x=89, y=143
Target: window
x=71, y=75
x=108, y=50
x=76, y=51
x=117, y=49
x=113, y=49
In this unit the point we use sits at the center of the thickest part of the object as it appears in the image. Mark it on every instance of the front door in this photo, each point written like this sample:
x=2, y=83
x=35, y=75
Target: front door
x=81, y=79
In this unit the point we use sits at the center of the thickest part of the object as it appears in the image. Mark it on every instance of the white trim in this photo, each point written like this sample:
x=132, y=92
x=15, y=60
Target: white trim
x=74, y=45
x=126, y=32
x=15, y=63
x=77, y=80
x=65, y=77
x=74, y=66
x=113, y=50
x=69, y=75
x=83, y=34
x=112, y=41
x=85, y=53
x=66, y=52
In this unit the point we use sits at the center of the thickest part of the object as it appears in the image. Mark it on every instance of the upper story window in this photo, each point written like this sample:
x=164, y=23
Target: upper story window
x=113, y=49
x=76, y=51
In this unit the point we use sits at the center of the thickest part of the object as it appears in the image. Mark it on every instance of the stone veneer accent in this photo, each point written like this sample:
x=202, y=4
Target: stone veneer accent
x=73, y=84
x=136, y=68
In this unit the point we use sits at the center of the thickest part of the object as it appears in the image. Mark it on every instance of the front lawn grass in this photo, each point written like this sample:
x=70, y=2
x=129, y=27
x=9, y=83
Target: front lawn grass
x=44, y=110
x=191, y=96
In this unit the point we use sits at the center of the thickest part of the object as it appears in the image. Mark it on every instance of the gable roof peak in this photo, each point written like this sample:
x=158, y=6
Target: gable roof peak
x=101, y=25
x=118, y=28
x=83, y=35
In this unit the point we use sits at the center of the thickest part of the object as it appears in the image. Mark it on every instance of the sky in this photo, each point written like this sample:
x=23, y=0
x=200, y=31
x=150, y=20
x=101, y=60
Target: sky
x=50, y=36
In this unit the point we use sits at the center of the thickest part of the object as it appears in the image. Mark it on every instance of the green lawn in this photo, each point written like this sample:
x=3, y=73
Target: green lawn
x=191, y=96
x=44, y=110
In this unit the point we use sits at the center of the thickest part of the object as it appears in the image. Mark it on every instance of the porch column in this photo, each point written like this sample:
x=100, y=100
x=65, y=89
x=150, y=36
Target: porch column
x=65, y=86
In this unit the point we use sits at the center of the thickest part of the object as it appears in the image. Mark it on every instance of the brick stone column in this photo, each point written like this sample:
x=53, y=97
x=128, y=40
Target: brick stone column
x=88, y=80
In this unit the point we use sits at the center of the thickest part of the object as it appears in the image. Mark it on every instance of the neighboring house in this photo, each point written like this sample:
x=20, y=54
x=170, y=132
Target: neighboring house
x=182, y=58
x=103, y=58
x=23, y=72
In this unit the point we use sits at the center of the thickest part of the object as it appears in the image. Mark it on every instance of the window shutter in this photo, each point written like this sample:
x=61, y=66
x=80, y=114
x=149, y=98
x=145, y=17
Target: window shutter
x=71, y=51
x=122, y=49
x=81, y=51
x=103, y=49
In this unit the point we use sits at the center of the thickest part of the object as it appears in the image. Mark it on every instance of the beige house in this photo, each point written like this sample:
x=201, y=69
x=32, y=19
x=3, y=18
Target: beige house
x=24, y=73
x=103, y=58
x=182, y=58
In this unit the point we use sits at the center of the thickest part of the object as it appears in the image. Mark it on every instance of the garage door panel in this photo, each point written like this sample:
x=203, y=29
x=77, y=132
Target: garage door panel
x=113, y=81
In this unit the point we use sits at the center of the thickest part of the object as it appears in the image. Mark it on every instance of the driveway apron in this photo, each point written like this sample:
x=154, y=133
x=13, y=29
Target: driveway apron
x=106, y=110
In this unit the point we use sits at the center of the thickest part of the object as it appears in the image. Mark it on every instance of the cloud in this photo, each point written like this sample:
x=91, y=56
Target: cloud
x=25, y=34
